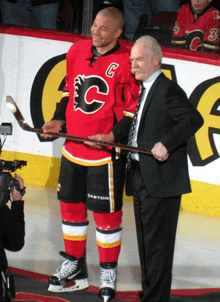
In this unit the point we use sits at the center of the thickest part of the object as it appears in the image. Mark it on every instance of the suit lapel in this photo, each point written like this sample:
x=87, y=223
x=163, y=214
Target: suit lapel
x=150, y=93
x=149, y=97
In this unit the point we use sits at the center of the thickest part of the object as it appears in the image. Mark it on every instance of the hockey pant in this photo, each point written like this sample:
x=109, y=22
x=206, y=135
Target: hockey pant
x=75, y=227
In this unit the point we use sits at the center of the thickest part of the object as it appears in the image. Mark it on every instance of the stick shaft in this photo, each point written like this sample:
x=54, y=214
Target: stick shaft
x=24, y=125
x=101, y=143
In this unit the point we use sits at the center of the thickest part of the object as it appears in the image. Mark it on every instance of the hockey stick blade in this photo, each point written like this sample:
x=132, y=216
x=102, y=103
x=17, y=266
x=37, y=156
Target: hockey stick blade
x=24, y=125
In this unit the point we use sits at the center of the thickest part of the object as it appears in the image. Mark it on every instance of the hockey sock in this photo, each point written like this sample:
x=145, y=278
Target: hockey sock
x=108, y=235
x=74, y=226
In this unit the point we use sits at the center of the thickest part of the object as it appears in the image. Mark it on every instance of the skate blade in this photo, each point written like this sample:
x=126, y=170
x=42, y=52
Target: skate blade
x=106, y=298
x=78, y=285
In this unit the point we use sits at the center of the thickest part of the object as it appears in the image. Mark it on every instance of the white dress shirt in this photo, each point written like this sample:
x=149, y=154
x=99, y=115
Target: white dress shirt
x=147, y=85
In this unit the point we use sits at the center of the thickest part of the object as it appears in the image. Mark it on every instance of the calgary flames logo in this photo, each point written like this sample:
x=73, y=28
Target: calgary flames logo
x=92, y=88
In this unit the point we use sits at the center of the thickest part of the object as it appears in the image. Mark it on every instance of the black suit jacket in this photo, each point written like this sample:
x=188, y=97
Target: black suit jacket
x=168, y=117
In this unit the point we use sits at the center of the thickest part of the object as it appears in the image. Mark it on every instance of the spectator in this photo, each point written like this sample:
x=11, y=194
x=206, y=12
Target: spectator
x=165, y=121
x=12, y=223
x=197, y=27
x=133, y=9
x=31, y=13
x=98, y=101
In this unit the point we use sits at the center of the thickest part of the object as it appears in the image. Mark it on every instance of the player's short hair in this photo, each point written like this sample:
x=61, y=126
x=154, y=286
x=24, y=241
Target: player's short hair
x=115, y=14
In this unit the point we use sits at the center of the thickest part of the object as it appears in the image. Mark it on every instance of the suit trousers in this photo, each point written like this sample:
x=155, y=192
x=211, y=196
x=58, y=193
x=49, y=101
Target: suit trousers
x=156, y=223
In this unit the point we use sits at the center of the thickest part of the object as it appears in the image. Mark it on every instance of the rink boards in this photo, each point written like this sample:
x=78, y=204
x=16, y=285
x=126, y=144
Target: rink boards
x=32, y=71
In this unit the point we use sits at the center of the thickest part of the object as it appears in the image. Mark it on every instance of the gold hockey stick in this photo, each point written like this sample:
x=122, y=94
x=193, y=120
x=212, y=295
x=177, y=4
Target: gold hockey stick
x=24, y=125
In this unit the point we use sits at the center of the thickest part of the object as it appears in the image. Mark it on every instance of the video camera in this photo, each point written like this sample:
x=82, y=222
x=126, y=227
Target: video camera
x=7, y=181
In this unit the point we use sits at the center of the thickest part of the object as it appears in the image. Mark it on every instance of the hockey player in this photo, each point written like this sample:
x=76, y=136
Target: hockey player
x=98, y=101
x=197, y=27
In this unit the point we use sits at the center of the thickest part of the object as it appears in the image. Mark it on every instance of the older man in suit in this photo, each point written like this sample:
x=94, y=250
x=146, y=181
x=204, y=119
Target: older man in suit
x=164, y=122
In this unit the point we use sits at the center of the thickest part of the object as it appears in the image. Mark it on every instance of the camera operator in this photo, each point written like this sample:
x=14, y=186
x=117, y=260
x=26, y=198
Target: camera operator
x=12, y=226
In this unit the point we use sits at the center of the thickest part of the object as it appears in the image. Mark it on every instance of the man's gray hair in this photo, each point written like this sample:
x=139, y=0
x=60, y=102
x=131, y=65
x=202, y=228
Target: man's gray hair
x=155, y=47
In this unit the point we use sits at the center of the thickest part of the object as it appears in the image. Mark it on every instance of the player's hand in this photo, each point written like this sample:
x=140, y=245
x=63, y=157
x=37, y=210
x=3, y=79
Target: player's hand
x=51, y=126
x=160, y=152
x=108, y=138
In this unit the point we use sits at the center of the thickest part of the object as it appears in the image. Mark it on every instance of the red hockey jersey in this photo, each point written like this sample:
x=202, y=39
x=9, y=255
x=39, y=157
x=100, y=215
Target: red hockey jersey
x=101, y=92
x=201, y=34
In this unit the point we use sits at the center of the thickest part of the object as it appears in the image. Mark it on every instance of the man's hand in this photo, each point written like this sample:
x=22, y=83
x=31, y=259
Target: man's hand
x=16, y=195
x=108, y=138
x=160, y=152
x=51, y=126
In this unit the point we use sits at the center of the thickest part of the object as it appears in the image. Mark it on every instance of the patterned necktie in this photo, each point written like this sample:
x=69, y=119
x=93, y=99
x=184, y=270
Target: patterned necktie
x=133, y=124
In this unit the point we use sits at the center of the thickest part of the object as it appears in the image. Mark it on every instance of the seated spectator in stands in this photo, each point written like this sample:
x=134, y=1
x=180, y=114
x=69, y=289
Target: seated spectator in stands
x=134, y=9
x=12, y=225
x=31, y=13
x=197, y=27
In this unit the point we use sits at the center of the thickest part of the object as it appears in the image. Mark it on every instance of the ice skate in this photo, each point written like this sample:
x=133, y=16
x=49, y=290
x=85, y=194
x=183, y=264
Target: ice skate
x=108, y=278
x=70, y=276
